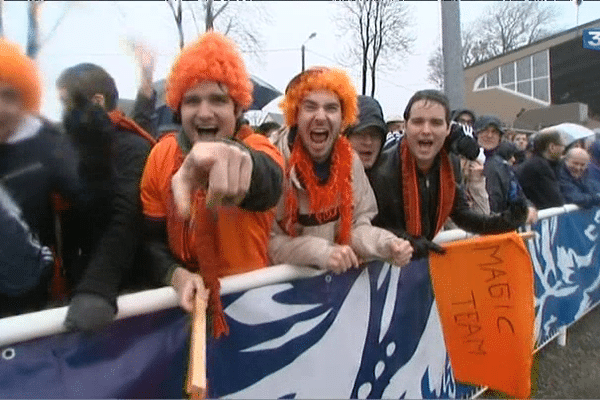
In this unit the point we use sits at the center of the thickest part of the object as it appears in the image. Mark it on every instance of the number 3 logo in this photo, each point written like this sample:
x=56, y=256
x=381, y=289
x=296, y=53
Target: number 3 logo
x=595, y=38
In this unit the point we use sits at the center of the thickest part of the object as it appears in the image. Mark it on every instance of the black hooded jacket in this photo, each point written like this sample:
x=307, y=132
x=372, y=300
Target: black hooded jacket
x=370, y=114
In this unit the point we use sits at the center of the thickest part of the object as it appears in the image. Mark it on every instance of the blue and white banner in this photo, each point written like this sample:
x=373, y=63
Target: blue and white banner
x=369, y=333
x=566, y=261
x=373, y=332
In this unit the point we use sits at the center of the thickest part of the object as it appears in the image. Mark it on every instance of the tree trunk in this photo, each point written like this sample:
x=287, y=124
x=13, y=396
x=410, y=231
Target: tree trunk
x=180, y=24
x=365, y=72
x=373, y=70
x=33, y=32
x=209, y=21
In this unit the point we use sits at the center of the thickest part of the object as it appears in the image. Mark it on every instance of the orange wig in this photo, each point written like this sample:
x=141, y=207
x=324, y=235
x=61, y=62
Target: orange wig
x=213, y=57
x=320, y=78
x=19, y=71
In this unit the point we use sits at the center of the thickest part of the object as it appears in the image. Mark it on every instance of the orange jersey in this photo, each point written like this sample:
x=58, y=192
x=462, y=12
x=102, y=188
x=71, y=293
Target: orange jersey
x=241, y=236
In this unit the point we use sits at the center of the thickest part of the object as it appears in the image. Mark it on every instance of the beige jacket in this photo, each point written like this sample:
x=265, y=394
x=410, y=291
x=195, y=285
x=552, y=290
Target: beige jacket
x=314, y=244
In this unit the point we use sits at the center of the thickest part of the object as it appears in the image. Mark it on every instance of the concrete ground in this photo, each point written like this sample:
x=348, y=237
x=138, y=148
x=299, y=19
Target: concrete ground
x=570, y=372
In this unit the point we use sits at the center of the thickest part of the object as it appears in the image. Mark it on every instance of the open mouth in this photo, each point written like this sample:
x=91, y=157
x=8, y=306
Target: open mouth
x=425, y=144
x=212, y=131
x=365, y=154
x=319, y=136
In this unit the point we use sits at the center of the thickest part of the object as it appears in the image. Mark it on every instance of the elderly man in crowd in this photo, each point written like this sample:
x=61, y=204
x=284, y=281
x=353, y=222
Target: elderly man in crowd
x=414, y=181
x=575, y=184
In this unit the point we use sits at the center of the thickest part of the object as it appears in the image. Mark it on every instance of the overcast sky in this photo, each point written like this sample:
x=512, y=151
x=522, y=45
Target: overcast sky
x=94, y=31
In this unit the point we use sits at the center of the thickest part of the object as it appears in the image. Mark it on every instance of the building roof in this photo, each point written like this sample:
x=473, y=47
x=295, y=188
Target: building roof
x=566, y=34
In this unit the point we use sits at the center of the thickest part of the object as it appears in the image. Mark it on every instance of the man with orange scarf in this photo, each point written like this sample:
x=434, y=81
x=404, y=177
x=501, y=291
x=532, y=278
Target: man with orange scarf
x=324, y=216
x=415, y=186
x=208, y=191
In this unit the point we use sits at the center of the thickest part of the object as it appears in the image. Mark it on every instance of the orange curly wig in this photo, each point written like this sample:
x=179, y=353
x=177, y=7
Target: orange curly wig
x=316, y=78
x=18, y=70
x=213, y=57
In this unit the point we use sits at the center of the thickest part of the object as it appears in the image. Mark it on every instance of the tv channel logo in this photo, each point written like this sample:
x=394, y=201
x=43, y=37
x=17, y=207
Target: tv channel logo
x=591, y=38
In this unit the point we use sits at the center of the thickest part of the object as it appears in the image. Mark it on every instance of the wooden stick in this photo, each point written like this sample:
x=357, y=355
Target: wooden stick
x=196, y=384
x=527, y=235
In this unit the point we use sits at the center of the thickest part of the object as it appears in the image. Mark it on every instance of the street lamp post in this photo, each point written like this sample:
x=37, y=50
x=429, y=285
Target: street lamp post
x=303, y=48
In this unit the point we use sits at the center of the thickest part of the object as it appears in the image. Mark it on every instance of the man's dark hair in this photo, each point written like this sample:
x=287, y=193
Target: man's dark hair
x=83, y=81
x=429, y=95
x=267, y=127
x=457, y=113
x=542, y=141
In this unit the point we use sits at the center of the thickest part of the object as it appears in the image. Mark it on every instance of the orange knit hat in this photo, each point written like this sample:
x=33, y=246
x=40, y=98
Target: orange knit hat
x=317, y=78
x=213, y=57
x=20, y=71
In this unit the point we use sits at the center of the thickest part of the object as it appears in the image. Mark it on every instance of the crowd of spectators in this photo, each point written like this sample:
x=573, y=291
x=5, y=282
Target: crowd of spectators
x=186, y=192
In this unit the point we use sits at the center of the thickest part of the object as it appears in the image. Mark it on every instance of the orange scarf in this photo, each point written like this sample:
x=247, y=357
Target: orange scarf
x=324, y=200
x=197, y=242
x=412, y=197
x=122, y=121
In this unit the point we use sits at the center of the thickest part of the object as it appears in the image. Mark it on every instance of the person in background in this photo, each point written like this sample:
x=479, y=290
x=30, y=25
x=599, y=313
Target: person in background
x=208, y=190
x=395, y=124
x=538, y=175
x=464, y=117
x=267, y=128
x=594, y=164
x=501, y=184
x=37, y=164
x=575, y=184
x=367, y=136
x=324, y=216
x=521, y=141
x=414, y=181
x=102, y=249
x=155, y=120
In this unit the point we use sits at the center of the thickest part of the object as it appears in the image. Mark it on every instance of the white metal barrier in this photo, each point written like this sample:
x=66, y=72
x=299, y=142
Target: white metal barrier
x=49, y=322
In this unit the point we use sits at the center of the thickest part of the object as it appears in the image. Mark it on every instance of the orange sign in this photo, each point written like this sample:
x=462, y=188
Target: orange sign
x=485, y=298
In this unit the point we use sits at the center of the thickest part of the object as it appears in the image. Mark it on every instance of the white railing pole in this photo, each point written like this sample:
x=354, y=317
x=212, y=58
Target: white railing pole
x=49, y=322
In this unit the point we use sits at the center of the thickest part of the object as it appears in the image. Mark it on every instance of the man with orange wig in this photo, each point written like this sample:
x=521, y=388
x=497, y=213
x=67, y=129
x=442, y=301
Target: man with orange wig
x=208, y=191
x=324, y=216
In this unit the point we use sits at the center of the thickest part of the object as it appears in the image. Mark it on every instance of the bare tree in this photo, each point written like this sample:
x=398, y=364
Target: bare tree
x=435, y=69
x=503, y=27
x=33, y=30
x=177, y=10
x=239, y=20
x=379, y=31
x=507, y=26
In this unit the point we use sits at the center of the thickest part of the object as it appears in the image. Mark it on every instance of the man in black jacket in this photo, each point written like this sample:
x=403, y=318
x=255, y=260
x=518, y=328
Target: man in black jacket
x=539, y=175
x=414, y=182
x=101, y=247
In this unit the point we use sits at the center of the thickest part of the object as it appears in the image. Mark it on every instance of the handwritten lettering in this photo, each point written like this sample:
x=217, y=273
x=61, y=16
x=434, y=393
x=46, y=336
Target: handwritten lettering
x=494, y=271
x=499, y=290
x=494, y=249
x=507, y=321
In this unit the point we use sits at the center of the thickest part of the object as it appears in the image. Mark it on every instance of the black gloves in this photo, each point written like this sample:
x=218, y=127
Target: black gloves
x=89, y=312
x=516, y=215
x=422, y=246
x=461, y=143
